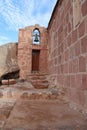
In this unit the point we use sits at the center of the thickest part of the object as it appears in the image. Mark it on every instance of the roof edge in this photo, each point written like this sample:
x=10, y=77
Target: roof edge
x=53, y=13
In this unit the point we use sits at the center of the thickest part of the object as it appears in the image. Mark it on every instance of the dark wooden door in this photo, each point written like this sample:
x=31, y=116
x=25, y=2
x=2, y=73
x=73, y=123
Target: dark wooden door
x=35, y=60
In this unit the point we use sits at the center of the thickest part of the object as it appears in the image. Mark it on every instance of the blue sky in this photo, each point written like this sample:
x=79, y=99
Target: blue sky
x=15, y=14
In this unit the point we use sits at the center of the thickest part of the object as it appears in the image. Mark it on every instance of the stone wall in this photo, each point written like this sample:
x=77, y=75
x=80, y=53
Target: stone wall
x=25, y=47
x=67, y=40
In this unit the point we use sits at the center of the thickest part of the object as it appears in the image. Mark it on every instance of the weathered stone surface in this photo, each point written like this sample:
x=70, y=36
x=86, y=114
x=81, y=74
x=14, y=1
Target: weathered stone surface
x=1, y=94
x=44, y=115
x=25, y=90
x=5, y=109
x=18, y=112
x=8, y=59
x=67, y=41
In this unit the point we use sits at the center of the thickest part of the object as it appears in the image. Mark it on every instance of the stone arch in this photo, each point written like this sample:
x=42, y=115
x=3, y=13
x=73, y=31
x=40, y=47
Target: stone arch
x=36, y=36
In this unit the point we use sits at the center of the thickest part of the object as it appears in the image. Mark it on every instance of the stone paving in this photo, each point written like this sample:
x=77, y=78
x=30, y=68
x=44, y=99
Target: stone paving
x=38, y=114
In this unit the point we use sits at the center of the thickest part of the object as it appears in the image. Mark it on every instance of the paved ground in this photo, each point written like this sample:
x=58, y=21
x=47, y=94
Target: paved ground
x=39, y=115
x=22, y=107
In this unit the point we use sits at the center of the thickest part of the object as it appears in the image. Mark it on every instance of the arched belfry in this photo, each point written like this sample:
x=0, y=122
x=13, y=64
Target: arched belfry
x=36, y=36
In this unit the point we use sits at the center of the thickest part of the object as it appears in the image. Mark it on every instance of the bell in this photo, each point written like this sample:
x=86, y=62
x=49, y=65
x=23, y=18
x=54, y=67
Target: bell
x=36, y=38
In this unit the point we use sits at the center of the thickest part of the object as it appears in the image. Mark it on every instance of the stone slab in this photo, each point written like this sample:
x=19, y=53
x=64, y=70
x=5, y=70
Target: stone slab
x=8, y=82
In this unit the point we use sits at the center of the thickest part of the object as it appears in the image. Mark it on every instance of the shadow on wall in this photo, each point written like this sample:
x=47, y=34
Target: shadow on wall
x=12, y=75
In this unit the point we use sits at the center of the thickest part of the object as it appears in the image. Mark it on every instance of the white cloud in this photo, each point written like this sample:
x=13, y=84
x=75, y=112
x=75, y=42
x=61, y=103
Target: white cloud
x=4, y=39
x=21, y=13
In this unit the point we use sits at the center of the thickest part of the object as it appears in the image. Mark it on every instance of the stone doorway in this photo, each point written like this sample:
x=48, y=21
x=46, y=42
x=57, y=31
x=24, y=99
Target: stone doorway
x=35, y=60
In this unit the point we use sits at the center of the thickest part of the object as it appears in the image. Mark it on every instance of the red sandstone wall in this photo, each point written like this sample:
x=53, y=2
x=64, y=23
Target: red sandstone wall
x=25, y=47
x=68, y=49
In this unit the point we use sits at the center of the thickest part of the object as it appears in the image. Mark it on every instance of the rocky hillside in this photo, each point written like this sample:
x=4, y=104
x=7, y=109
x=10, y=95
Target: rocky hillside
x=8, y=61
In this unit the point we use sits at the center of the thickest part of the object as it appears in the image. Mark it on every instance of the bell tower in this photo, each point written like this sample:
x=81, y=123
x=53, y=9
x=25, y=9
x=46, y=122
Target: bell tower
x=32, y=50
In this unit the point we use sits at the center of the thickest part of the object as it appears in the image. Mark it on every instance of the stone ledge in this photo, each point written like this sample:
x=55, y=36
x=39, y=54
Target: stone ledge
x=8, y=82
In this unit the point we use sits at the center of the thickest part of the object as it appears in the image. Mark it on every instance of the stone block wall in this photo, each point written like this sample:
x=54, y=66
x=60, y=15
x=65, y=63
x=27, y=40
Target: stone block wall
x=25, y=47
x=67, y=40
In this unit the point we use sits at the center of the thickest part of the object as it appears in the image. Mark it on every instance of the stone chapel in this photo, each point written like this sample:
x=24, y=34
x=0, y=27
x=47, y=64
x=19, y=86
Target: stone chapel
x=60, y=50
x=33, y=50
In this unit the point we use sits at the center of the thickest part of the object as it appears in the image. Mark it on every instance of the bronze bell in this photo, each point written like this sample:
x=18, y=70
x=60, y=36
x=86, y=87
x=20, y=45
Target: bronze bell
x=36, y=38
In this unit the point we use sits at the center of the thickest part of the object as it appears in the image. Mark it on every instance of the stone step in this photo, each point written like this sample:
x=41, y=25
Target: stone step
x=38, y=76
x=39, y=81
x=40, y=85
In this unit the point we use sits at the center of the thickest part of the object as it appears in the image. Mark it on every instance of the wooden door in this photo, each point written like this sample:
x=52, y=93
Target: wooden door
x=35, y=60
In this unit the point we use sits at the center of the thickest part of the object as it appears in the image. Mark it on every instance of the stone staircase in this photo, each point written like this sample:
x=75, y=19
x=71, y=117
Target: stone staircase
x=25, y=90
x=39, y=81
x=35, y=87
